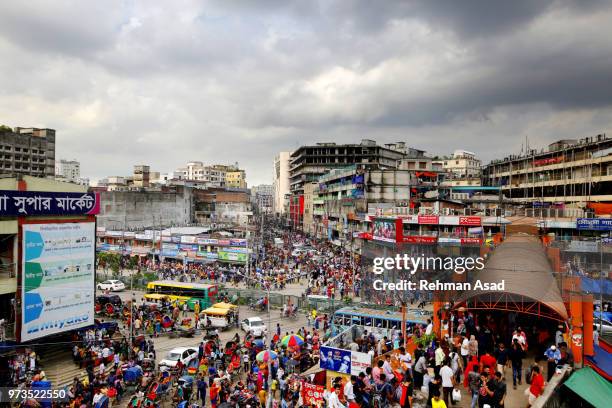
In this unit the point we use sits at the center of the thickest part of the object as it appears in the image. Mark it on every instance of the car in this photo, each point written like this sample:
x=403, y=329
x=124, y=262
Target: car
x=114, y=300
x=112, y=285
x=184, y=354
x=254, y=326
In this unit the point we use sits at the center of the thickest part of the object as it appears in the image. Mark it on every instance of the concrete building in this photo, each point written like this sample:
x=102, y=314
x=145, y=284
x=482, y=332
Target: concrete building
x=68, y=170
x=308, y=163
x=27, y=151
x=281, y=182
x=142, y=176
x=235, y=179
x=569, y=172
x=138, y=210
x=310, y=196
x=219, y=205
x=462, y=165
x=262, y=197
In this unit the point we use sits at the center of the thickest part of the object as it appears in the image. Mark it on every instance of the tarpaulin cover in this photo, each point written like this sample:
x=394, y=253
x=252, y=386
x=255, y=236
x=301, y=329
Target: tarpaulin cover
x=591, y=387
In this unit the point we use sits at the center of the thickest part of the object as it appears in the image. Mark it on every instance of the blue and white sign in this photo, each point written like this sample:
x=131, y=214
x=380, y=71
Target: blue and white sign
x=594, y=224
x=57, y=278
x=335, y=360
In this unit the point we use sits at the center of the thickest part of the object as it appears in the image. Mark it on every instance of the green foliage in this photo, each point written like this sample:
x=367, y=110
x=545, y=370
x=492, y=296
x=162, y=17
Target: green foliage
x=5, y=129
x=425, y=340
x=109, y=260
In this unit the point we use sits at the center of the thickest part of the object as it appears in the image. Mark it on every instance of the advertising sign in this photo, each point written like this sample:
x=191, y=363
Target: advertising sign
x=312, y=394
x=231, y=256
x=335, y=359
x=58, y=278
x=35, y=203
x=419, y=239
x=428, y=219
x=359, y=362
x=238, y=242
x=384, y=230
x=188, y=239
x=470, y=221
x=594, y=224
x=206, y=241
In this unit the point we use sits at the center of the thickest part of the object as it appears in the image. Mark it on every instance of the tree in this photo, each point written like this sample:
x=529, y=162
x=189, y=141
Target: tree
x=5, y=129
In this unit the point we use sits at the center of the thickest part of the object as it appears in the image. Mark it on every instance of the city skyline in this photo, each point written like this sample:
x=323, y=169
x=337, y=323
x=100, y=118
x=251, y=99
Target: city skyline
x=120, y=91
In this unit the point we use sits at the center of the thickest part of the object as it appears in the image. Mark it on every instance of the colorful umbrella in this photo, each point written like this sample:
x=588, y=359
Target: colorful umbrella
x=265, y=355
x=292, y=340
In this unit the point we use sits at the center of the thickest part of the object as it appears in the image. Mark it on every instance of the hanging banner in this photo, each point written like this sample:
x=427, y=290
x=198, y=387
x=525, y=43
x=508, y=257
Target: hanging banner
x=312, y=394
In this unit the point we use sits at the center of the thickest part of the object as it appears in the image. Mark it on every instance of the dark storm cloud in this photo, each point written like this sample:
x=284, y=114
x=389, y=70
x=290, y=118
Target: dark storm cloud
x=159, y=82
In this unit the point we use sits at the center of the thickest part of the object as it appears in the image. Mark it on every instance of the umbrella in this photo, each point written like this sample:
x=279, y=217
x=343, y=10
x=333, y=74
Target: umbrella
x=258, y=342
x=292, y=340
x=265, y=355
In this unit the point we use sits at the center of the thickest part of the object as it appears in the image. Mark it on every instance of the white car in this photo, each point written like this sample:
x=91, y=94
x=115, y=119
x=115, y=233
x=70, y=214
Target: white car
x=254, y=326
x=184, y=354
x=112, y=285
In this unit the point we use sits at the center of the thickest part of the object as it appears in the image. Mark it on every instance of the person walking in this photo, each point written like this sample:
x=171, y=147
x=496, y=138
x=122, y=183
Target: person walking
x=516, y=355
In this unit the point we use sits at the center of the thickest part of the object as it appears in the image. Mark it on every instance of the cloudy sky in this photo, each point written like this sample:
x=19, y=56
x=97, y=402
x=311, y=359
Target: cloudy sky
x=220, y=81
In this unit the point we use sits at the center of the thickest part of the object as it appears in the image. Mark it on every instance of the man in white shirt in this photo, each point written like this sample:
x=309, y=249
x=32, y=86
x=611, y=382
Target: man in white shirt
x=448, y=381
x=429, y=328
x=333, y=401
x=405, y=359
x=465, y=350
x=349, y=391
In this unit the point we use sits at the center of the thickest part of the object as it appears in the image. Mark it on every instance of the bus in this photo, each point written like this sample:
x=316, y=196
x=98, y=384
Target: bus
x=184, y=292
x=382, y=321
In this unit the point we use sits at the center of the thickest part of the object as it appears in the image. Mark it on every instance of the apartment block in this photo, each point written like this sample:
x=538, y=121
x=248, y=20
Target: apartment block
x=27, y=151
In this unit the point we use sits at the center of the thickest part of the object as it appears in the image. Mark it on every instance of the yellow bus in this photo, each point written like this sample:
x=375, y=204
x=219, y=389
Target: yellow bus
x=185, y=292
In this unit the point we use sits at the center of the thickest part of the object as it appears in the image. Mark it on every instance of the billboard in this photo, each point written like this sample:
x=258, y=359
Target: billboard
x=360, y=362
x=334, y=359
x=232, y=256
x=384, y=230
x=58, y=278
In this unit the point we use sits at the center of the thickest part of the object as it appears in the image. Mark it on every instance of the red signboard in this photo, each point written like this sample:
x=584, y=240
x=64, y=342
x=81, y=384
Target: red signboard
x=428, y=219
x=419, y=239
x=470, y=221
x=312, y=394
x=471, y=241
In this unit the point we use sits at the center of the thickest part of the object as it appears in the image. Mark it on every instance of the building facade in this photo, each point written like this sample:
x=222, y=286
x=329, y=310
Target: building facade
x=235, y=179
x=27, y=151
x=574, y=172
x=68, y=170
x=281, y=182
x=142, y=176
x=262, y=197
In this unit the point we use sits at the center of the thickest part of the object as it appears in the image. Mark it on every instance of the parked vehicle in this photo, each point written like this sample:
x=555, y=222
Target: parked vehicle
x=112, y=285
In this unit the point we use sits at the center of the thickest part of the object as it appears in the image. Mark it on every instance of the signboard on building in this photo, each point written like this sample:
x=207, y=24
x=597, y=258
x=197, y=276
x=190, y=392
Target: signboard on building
x=384, y=230
x=206, y=241
x=428, y=219
x=37, y=203
x=231, y=256
x=470, y=221
x=188, y=239
x=594, y=224
x=419, y=239
x=238, y=242
x=58, y=278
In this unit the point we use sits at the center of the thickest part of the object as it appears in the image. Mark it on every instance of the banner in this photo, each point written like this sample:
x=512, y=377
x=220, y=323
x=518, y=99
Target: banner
x=428, y=219
x=470, y=221
x=58, y=278
x=334, y=359
x=31, y=203
x=312, y=394
x=359, y=362
x=231, y=256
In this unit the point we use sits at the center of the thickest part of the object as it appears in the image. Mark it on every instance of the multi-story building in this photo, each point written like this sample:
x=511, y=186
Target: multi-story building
x=262, y=196
x=574, y=172
x=281, y=182
x=310, y=195
x=68, y=170
x=308, y=163
x=27, y=151
x=235, y=179
x=142, y=176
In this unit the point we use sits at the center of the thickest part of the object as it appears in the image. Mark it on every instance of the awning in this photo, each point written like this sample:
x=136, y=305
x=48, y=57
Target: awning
x=522, y=263
x=591, y=387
